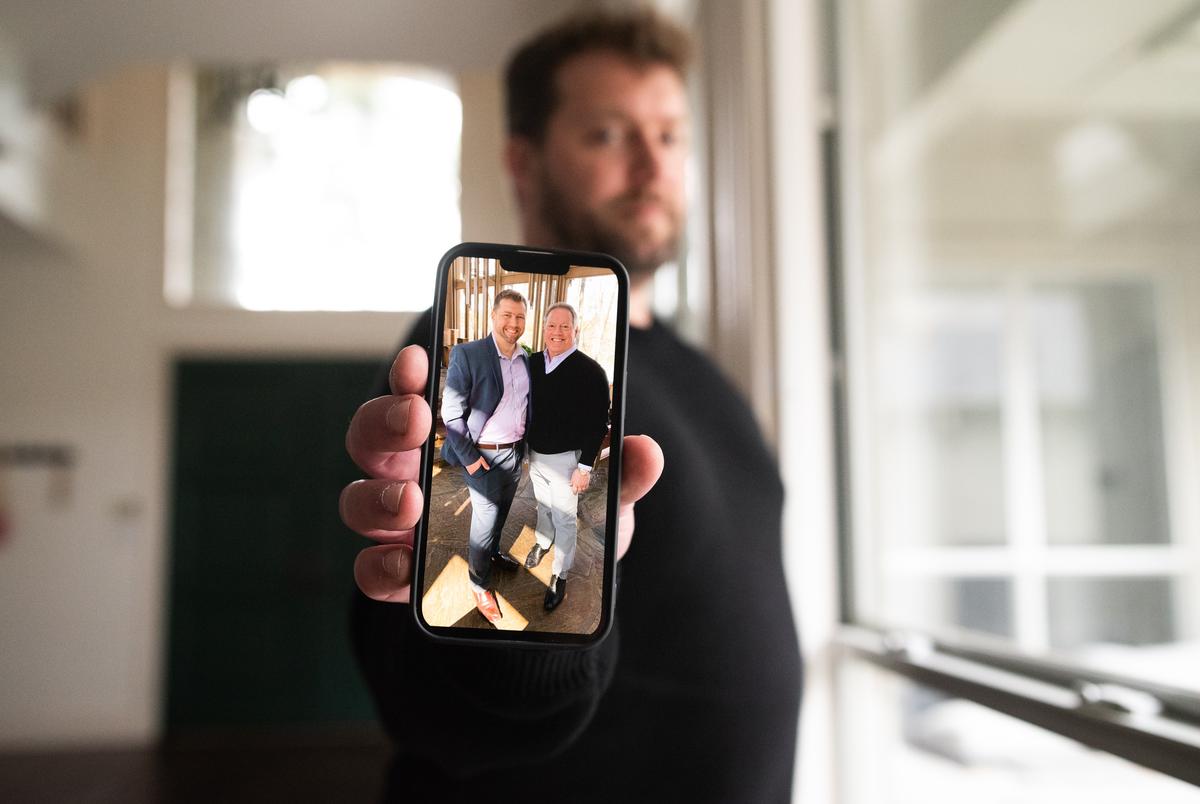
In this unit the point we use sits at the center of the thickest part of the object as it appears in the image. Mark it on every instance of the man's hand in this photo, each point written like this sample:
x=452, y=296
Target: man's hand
x=384, y=439
x=473, y=468
x=580, y=481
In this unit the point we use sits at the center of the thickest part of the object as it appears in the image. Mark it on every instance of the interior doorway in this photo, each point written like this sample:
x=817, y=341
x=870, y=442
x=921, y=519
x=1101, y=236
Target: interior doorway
x=260, y=566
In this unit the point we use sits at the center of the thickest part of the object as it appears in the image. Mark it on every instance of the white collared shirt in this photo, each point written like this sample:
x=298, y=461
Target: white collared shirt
x=507, y=422
x=554, y=362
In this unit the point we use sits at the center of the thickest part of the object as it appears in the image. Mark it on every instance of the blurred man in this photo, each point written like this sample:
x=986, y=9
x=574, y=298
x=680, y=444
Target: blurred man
x=570, y=395
x=695, y=694
x=485, y=407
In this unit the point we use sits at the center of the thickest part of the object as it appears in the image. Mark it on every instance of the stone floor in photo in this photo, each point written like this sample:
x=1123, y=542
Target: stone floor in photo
x=447, y=598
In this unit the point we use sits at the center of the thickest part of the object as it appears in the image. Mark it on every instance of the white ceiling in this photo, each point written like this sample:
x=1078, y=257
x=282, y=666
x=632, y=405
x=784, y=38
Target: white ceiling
x=65, y=42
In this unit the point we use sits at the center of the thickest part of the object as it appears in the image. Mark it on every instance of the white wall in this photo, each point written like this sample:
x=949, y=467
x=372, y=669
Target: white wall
x=80, y=588
x=86, y=346
x=489, y=210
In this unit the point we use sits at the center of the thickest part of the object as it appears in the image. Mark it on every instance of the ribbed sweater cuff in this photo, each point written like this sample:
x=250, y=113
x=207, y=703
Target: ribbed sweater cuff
x=526, y=676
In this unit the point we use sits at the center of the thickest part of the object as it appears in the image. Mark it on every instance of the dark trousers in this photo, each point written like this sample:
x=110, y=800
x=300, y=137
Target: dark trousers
x=492, y=491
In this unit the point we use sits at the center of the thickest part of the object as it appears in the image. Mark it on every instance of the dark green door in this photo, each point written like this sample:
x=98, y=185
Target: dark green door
x=260, y=563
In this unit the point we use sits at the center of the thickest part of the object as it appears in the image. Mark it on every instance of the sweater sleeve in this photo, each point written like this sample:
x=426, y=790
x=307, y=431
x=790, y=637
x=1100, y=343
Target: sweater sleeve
x=468, y=709
x=595, y=420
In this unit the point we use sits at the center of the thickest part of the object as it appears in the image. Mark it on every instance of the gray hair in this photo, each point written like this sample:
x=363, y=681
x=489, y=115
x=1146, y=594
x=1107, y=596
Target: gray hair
x=569, y=309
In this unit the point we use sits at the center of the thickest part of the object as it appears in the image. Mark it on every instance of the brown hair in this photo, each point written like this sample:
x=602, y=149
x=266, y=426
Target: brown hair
x=642, y=36
x=511, y=295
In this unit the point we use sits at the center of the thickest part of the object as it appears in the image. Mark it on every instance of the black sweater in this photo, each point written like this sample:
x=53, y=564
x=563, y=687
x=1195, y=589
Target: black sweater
x=570, y=406
x=695, y=694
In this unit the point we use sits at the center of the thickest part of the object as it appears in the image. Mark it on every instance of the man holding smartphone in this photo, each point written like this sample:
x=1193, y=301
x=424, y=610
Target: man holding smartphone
x=694, y=695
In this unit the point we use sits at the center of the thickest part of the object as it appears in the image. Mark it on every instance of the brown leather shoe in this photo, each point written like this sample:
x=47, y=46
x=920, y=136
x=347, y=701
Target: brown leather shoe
x=488, y=604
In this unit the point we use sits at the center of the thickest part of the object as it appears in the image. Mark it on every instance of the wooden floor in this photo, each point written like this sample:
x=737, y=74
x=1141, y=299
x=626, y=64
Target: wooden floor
x=242, y=771
x=447, y=596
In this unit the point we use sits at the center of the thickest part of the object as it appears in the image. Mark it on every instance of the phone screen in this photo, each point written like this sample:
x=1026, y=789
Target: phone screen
x=518, y=542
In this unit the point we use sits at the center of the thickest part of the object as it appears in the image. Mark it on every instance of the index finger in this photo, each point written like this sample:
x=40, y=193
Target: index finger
x=409, y=372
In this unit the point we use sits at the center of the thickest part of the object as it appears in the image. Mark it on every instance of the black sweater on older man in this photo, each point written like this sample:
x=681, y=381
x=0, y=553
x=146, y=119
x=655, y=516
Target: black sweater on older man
x=694, y=696
x=570, y=406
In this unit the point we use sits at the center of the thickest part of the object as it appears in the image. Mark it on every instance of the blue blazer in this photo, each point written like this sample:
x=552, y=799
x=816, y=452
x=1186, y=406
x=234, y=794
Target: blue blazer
x=473, y=389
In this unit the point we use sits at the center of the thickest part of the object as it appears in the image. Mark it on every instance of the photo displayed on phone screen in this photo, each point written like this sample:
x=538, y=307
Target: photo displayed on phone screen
x=519, y=493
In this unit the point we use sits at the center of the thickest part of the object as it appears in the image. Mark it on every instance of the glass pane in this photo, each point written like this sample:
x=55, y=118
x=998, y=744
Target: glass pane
x=1019, y=207
x=979, y=604
x=1101, y=414
x=904, y=744
x=595, y=301
x=1126, y=611
x=940, y=359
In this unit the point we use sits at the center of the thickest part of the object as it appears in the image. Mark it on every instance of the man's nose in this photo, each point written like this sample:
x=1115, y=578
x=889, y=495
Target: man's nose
x=649, y=156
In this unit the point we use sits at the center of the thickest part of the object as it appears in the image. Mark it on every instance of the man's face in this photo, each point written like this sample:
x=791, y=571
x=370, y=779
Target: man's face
x=559, y=330
x=609, y=174
x=508, y=322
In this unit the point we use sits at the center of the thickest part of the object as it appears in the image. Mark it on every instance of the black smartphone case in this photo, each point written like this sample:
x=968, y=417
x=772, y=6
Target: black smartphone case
x=543, y=261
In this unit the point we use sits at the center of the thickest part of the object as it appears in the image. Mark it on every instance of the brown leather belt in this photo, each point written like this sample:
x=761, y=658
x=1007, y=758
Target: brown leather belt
x=481, y=445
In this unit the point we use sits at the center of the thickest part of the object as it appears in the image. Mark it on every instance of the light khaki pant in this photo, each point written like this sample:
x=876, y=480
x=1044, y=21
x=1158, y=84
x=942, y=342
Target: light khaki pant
x=557, y=505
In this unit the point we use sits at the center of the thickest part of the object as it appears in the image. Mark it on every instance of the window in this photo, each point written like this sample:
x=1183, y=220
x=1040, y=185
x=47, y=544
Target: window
x=1020, y=448
x=1021, y=467
x=907, y=743
x=321, y=187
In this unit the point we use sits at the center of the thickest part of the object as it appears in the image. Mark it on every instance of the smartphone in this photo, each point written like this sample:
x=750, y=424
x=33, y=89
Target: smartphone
x=521, y=470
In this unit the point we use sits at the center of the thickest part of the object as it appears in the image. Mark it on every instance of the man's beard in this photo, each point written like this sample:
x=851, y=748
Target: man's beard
x=585, y=232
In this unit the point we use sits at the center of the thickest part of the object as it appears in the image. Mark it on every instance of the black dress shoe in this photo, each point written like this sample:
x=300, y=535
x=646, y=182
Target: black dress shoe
x=505, y=562
x=535, y=556
x=556, y=593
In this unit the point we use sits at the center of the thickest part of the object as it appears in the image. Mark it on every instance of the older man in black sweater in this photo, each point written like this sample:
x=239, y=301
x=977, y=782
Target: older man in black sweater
x=569, y=395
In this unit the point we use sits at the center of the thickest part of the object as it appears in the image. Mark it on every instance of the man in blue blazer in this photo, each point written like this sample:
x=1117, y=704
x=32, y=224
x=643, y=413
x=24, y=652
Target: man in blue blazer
x=485, y=407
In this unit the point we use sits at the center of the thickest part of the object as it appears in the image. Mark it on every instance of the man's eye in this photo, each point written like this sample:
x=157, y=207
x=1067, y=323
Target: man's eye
x=608, y=135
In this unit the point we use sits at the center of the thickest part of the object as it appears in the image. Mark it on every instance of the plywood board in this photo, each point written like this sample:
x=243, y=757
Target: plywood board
x=450, y=598
x=512, y=620
x=520, y=549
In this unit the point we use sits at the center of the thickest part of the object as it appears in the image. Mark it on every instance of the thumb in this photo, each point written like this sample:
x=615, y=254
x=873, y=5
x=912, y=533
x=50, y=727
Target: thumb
x=641, y=466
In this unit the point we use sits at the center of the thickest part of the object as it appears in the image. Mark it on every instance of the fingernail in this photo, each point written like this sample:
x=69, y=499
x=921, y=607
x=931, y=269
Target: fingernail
x=389, y=498
x=397, y=416
x=396, y=564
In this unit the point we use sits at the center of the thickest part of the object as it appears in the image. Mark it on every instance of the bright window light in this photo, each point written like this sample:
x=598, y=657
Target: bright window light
x=333, y=188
